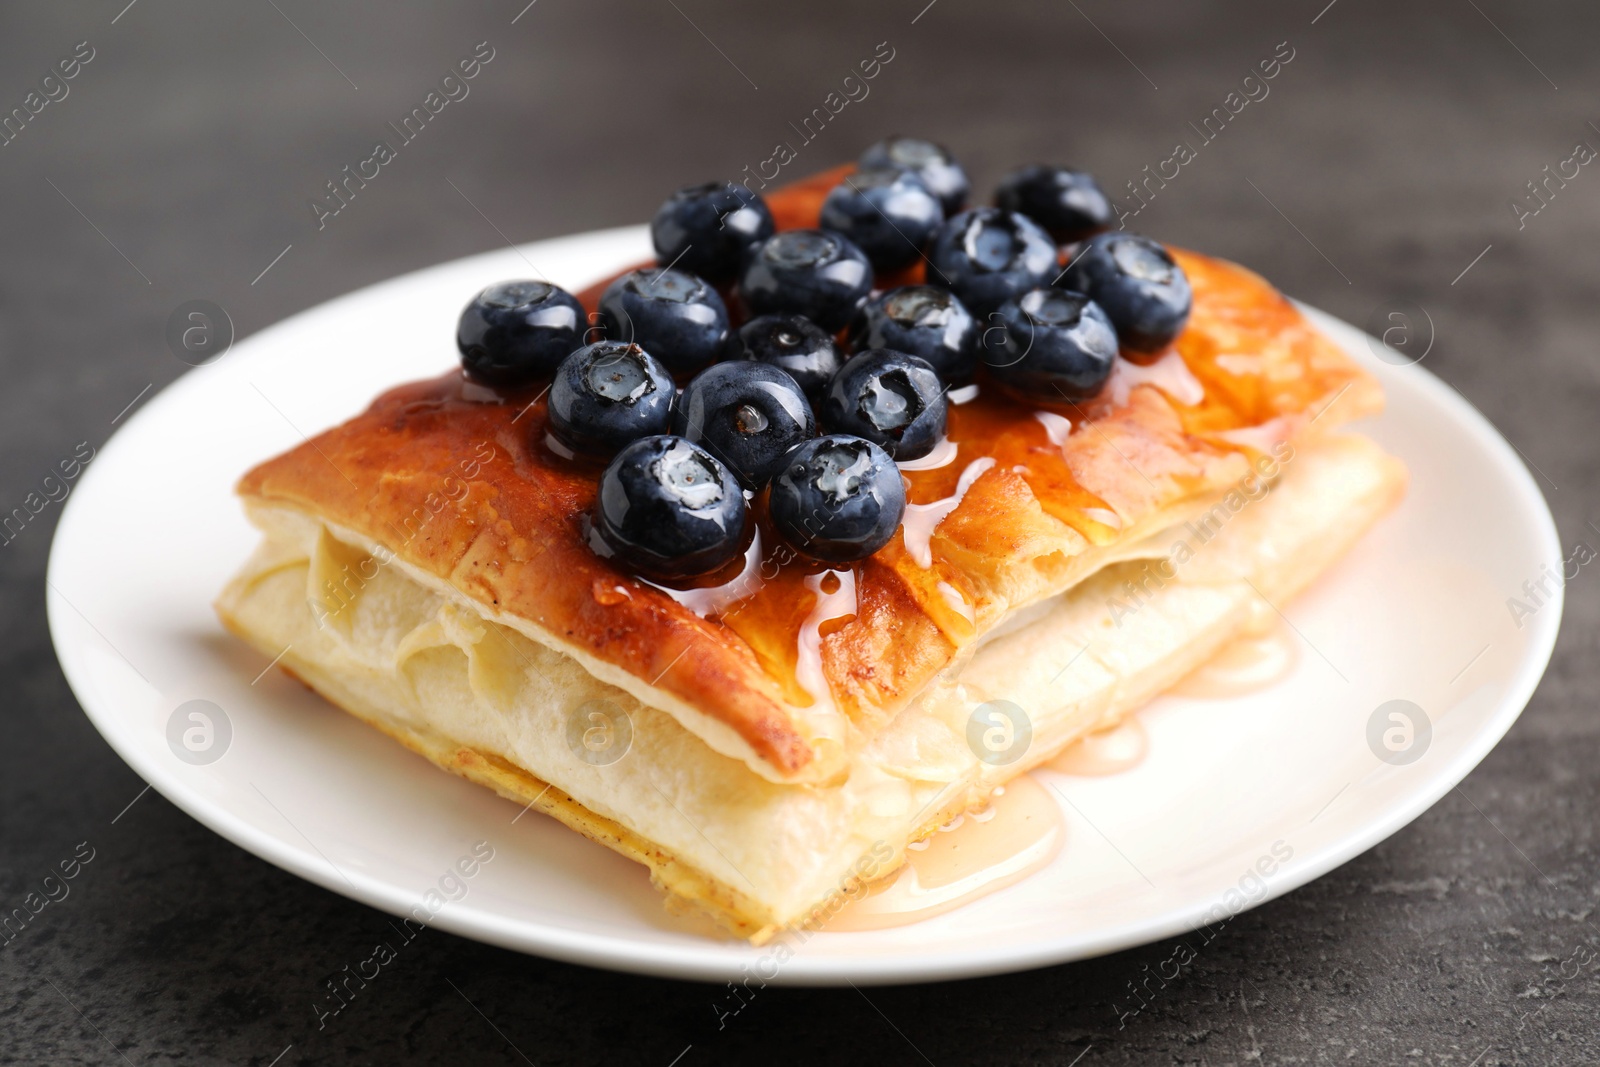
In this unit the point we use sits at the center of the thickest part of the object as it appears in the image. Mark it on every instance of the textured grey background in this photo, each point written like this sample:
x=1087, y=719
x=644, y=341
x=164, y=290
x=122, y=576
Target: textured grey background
x=193, y=141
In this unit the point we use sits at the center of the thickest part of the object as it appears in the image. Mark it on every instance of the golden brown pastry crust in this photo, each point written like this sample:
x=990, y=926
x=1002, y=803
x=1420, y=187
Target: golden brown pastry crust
x=457, y=483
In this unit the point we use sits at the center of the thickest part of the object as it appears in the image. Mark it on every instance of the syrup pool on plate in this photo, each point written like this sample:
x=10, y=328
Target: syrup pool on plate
x=1105, y=752
x=1261, y=656
x=971, y=856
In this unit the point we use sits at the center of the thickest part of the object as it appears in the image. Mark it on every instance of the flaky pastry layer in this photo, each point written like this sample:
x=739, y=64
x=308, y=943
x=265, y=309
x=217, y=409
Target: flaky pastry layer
x=480, y=691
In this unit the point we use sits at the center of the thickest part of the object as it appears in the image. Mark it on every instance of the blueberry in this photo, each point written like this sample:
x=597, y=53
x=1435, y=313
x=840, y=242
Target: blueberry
x=677, y=317
x=922, y=321
x=747, y=415
x=894, y=400
x=1051, y=344
x=607, y=394
x=1142, y=289
x=1067, y=203
x=888, y=213
x=669, y=509
x=710, y=229
x=794, y=344
x=932, y=163
x=820, y=275
x=514, y=332
x=838, y=498
x=986, y=256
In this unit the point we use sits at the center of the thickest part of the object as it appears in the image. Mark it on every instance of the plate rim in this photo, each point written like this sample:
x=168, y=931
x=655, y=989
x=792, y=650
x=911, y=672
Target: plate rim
x=719, y=961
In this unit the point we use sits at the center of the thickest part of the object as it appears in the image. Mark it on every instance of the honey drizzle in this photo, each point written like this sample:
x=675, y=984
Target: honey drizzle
x=922, y=520
x=832, y=606
x=708, y=600
x=984, y=424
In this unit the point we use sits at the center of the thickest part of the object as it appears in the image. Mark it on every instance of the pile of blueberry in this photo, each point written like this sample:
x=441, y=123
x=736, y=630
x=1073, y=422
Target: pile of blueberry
x=1036, y=288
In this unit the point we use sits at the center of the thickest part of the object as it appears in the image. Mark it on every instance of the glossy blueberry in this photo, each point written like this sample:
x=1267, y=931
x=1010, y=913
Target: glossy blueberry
x=932, y=163
x=669, y=509
x=986, y=256
x=710, y=229
x=678, y=318
x=838, y=498
x=1051, y=345
x=607, y=394
x=794, y=344
x=894, y=400
x=1142, y=289
x=514, y=332
x=923, y=321
x=747, y=415
x=888, y=213
x=1067, y=203
x=820, y=275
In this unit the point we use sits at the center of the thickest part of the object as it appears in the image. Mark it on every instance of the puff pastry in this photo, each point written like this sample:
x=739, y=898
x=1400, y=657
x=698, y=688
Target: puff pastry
x=426, y=566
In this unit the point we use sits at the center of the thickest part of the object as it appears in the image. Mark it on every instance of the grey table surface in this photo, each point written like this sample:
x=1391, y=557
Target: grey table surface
x=1381, y=167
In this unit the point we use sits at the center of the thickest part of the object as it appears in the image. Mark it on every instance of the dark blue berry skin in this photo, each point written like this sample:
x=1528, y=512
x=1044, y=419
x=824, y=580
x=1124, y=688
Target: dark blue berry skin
x=838, y=498
x=894, y=400
x=710, y=229
x=674, y=315
x=987, y=256
x=820, y=275
x=608, y=394
x=794, y=344
x=746, y=414
x=1069, y=204
x=888, y=213
x=1051, y=345
x=1142, y=289
x=924, y=321
x=668, y=509
x=932, y=163
x=515, y=332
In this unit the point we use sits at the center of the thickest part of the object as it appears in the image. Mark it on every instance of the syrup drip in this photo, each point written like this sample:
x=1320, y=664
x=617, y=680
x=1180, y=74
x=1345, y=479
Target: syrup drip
x=1120, y=748
x=1067, y=500
x=1237, y=364
x=1170, y=374
x=969, y=857
x=476, y=393
x=715, y=599
x=958, y=603
x=1105, y=516
x=558, y=448
x=609, y=593
x=943, y=454
x=830, y=607
x=922, y=519
x=1260, y=438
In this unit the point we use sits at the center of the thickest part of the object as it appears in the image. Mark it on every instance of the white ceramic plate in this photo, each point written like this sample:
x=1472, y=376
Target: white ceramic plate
x=1417, y=612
